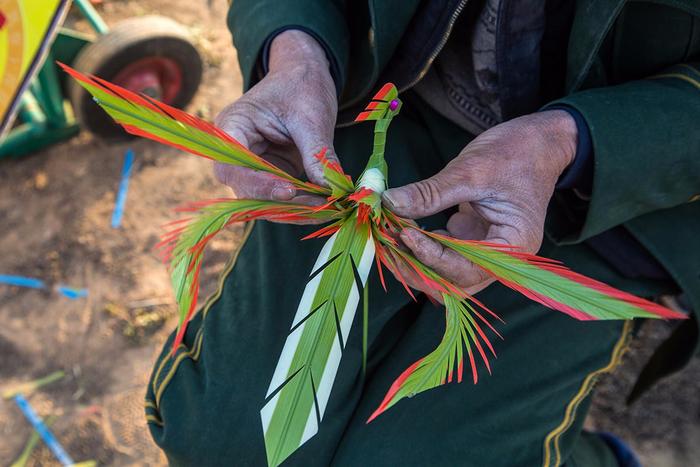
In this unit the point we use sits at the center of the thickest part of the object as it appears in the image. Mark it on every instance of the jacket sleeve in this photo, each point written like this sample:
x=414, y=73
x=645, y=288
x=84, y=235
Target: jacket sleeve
x=253, y=22
x=646, y=145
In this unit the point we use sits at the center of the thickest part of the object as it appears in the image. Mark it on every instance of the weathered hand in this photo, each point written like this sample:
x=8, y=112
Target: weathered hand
x=502, y=182
x=286, y=118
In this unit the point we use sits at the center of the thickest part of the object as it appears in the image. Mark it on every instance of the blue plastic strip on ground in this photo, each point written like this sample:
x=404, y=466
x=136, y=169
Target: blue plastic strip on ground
x=71, y=292
x=123, y=188
x=43, y=431
x=21, y=281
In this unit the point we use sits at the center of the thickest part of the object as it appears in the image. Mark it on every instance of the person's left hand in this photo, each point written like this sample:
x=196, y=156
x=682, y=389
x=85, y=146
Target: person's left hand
x=502, y=182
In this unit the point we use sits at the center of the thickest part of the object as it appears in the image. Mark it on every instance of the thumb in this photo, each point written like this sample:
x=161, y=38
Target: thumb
x=310, y=140
x=426, y=197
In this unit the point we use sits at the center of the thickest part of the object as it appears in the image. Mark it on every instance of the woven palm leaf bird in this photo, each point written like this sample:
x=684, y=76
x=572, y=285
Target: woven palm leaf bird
x=361, y=232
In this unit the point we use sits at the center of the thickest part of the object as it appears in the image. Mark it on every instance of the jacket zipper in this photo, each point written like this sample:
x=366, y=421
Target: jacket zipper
x=439, y=47
x=428, y=63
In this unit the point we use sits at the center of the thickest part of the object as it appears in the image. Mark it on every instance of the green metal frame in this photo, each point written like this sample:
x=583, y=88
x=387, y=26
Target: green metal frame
x=45, y=114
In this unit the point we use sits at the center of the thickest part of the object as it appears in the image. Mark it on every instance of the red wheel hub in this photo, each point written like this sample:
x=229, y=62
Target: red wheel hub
x=157, y=77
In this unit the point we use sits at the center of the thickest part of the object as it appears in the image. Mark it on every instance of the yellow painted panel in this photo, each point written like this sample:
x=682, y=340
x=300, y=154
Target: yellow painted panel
x=27, y=28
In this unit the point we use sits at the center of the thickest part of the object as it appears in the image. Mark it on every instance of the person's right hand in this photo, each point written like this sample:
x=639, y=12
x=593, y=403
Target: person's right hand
x=286, y=118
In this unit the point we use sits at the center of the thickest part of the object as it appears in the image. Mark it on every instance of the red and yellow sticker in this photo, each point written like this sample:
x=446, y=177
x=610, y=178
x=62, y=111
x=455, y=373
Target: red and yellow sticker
x=27, y=28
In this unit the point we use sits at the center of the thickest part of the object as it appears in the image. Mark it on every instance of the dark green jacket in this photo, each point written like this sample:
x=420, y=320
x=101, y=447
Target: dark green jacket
x=632, y=71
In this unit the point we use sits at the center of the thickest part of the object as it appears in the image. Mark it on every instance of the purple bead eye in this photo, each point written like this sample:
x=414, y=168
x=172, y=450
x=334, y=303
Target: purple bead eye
x=393, y=105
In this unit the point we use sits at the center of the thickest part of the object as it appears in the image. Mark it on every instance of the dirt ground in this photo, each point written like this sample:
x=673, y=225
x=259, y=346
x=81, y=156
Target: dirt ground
x=55, y=209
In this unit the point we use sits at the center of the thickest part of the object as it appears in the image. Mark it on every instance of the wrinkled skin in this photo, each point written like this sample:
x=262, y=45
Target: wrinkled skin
x=502, y=181
x=286, y=118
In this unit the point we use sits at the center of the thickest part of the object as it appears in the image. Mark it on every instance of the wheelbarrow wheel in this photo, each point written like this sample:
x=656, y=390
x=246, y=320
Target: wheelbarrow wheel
x=150, y=54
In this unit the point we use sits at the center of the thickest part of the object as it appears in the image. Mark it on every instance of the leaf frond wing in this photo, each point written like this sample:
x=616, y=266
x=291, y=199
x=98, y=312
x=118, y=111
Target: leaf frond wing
x=554, y=285
x=184, y=243
x=143, y=116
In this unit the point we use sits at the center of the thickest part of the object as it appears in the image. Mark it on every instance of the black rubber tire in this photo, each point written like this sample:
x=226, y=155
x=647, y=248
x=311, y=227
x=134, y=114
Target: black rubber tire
x=127, y=42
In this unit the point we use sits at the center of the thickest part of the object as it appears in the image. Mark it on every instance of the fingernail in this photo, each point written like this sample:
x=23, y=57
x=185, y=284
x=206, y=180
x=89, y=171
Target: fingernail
x=410, y=236
x=282, y=193
x=393, y=199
